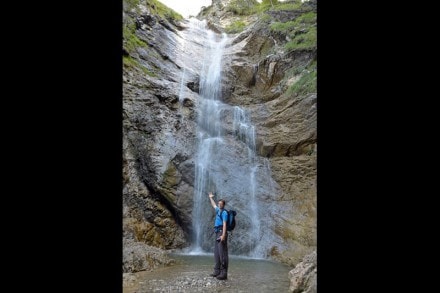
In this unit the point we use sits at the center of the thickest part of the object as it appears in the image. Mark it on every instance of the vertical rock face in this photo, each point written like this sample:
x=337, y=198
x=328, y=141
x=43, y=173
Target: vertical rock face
x=157, y=139
x=159, y=128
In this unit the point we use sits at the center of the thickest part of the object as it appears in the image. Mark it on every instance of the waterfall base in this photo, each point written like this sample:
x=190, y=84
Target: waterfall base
x=190, y=273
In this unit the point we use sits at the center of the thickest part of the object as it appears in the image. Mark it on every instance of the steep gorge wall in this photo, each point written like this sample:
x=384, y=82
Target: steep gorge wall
x=156, y=141
x=159, y=132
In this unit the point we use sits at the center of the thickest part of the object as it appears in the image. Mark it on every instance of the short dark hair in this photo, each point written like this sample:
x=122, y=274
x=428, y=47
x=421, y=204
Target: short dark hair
x=224, y=201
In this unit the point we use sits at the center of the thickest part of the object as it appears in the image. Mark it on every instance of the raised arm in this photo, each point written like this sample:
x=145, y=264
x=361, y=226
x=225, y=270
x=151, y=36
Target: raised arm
x=212, y=201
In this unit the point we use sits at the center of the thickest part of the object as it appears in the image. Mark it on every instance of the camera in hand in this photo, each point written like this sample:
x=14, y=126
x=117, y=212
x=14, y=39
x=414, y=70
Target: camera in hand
x=218, y=239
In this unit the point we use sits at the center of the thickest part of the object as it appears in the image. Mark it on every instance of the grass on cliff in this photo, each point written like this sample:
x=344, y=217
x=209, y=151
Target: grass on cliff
x=128, y=5
x=242, y=7
x=131, y=41
x=133, y=63
x=307, y=82
x=245, y=8
x=305, y=40
x=275, y=5
x=235, y=27
x=266, y=5
x=301, y=31
x=292, y=5
x=250, y=7
x=162, y=10
x=155, y=7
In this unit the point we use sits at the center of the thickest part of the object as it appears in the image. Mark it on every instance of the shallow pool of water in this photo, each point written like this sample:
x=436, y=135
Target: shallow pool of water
x=190, y=273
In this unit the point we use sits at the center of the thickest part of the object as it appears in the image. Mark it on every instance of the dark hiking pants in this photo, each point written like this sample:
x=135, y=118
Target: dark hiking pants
x=221, y=254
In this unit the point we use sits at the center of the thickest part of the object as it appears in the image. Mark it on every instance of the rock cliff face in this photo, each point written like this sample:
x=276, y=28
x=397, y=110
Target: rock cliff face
x=274, y=83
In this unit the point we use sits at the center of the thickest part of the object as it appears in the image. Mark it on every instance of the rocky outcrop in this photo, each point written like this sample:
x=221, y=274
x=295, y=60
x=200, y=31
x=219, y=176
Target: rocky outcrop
x=219, y=16
x=303, y=276
x=159, y=130
x=140, y=257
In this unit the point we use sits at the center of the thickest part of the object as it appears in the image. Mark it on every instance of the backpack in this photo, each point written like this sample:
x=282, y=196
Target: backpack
x=230, y=225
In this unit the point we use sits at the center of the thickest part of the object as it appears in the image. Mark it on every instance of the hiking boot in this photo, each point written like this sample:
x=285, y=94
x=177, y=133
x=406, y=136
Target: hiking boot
x=222, y=276
x=215, y=274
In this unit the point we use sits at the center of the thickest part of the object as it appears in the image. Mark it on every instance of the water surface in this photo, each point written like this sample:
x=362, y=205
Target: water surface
x=191, y=274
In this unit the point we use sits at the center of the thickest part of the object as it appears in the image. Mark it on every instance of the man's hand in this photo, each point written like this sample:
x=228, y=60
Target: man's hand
x=212, y=201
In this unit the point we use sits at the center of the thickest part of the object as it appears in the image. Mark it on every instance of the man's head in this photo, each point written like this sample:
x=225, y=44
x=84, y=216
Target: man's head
x=221, y=203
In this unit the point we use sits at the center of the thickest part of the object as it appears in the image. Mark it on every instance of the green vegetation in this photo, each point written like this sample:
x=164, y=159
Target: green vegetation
x=283, y=27
x=265, y=18
x=162, y=11
x=274, y=5
x=242, y=7
x=266, y=5
x=303, y=41
x=131, y=41
x=129, y=62
x=235, y=27
x=133, y=63
x=130, y=4
x=288, y=6
x=248, y=7
x=155, y=7
x=301, y=31
x=299, y=69
x=306, y=18
x=306, y=83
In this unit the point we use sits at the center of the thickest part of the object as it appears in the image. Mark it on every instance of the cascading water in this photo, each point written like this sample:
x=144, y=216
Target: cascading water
x=245, y=132
x=209, y=132
x=225, y=159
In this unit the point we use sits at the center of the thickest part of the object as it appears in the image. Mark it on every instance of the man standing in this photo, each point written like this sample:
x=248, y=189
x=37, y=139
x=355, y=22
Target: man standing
x=221, y=239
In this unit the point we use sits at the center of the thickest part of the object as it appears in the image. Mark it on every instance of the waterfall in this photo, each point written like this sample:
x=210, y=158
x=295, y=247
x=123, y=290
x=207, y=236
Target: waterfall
x=209, y=132
x=245, y=132
x=225, y=161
